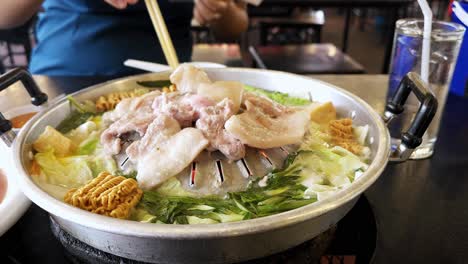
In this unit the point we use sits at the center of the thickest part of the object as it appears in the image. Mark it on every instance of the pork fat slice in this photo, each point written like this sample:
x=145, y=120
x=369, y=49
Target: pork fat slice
x=266, y=124
x=188, y=78
x=170, y=157
x=220, y=90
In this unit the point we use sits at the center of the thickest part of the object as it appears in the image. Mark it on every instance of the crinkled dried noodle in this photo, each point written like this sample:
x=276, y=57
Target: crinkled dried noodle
x=341, y=131
x=171, y=88
x=107, y=195
x=108, y=102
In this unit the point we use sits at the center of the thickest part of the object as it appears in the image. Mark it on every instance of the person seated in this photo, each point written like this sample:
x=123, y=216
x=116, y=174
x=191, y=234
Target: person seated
x=95, y=37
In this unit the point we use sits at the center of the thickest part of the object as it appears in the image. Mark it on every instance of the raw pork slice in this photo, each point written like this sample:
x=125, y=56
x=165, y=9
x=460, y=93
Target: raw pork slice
x=266, y=124
x=187, y=78
x=170, y=157
x=159, y=130
x=211, y=123
x=184, y=108
x=220, y=90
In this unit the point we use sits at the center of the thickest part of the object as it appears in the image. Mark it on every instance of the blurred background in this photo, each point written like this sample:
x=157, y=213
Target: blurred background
x=307, y=37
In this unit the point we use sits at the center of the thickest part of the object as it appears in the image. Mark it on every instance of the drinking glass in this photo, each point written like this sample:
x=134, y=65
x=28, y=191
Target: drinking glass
x=446, y=38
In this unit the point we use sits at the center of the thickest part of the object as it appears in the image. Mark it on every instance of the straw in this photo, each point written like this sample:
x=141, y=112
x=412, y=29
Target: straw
x=426, y=48
x=163, y=35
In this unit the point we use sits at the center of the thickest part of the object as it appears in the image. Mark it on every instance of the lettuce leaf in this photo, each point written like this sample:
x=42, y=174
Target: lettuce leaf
x=278, y=97
x=102, y=162
x=68, y=172
x=82, y=132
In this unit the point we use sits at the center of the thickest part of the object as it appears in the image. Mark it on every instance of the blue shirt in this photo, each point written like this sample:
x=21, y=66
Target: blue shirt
x=90, y=37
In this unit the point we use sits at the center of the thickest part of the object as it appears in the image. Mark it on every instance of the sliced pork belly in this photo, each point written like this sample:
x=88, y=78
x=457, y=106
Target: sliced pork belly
x=130, y=106
x=258, y=130
x=130, y=115
x=220, y=90
x=266, y=105
x=211, y=123
x=111, y=137
x=188, y=78
x=170, y=157
x=159, y=130
x=267, y=124
x=184, y=108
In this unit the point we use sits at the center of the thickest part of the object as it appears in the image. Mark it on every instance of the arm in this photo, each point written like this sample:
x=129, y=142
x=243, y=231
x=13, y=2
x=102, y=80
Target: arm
x=14, y=13
x=227, y=18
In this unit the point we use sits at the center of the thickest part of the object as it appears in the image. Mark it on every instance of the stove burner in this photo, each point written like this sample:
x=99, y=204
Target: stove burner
x=351, y=240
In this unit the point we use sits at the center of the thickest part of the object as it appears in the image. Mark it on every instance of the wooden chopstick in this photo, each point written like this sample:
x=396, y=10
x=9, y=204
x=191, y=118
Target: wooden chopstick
x=163, y=35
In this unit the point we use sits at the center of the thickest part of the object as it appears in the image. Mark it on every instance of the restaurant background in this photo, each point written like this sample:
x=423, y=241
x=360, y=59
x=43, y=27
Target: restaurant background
x=332, y=38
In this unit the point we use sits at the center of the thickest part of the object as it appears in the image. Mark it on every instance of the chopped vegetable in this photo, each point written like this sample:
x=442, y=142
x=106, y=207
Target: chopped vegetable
x=68, y=172
x=323, y=113
x=82, y=113
x=279, y=97
x=73, y=121
x=283, y=192
x=83, y=107
x=130, y=175
x=53, y=140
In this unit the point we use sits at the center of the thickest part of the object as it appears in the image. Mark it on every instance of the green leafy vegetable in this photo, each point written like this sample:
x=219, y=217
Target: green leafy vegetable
x=279, y=97
x=101, y=162
x=73, y=121
x=155, y=84
x=130, y=175
x=281, y=192
x=87, y=147
x=82, y=113
x=84, y=107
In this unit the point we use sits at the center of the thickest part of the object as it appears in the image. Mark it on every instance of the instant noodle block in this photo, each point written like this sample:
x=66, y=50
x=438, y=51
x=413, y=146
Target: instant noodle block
x=107, y=195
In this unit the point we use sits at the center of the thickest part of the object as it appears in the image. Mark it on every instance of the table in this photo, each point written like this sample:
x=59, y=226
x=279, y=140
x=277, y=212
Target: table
x=392, y=6
x=419, y=206
x=322, y=58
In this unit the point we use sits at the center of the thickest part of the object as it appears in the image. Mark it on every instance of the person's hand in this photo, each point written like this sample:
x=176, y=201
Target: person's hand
x=121, y=4
x=207, y=11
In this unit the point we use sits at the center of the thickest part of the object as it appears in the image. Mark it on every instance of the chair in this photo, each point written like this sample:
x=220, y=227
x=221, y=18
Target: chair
x=17, y=46
x=300, y=28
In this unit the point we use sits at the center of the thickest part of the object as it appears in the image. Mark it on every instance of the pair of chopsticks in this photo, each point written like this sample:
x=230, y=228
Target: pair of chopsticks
x=163, y=35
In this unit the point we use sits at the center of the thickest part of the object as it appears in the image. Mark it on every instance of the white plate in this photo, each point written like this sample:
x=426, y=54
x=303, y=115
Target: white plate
x=14, y=203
